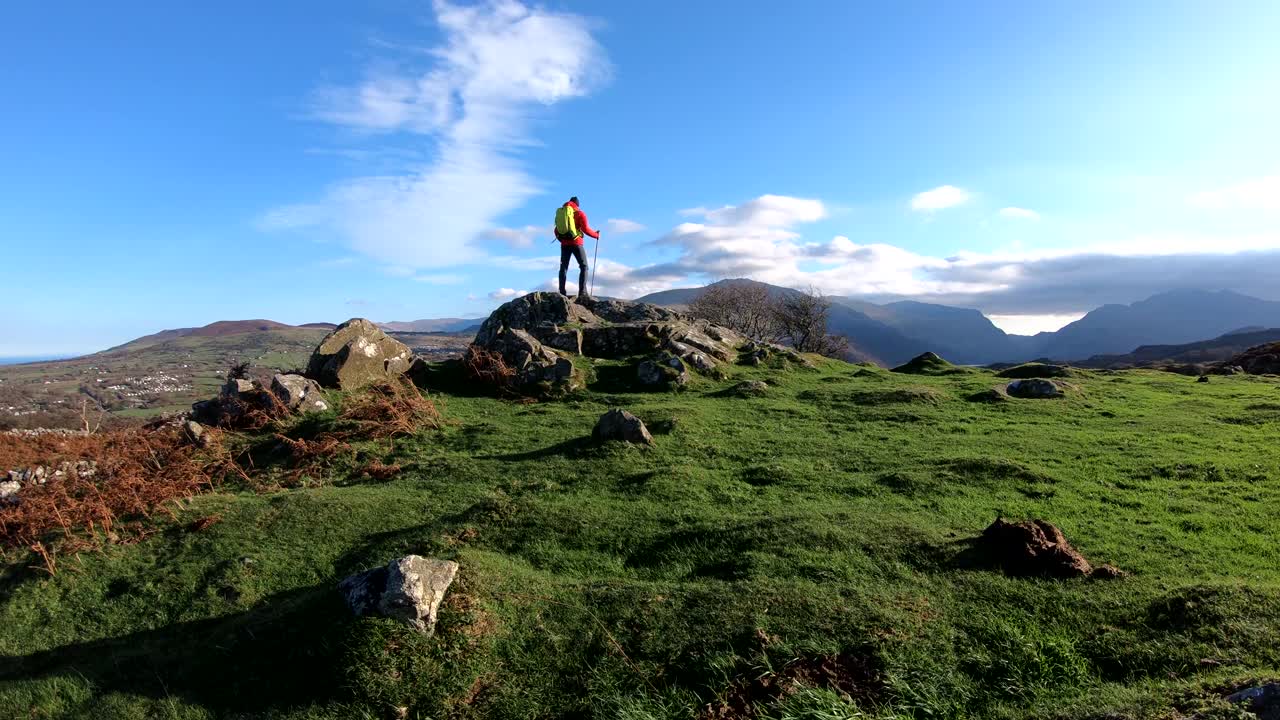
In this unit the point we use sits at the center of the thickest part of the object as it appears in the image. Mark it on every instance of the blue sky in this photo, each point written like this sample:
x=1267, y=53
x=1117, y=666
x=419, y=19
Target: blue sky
x=301, y=161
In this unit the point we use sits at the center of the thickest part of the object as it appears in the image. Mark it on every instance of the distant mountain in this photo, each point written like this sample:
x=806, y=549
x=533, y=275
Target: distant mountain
x=1170, y=318
x=895, y=332
x=221, y=328
x=1218, y=349
x=871, y=340
x=432, y=325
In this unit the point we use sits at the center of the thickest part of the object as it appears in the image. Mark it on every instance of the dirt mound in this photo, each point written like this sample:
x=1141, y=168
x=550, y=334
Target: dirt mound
x=1037, y=548
x=854, y=677
x=1260, y=360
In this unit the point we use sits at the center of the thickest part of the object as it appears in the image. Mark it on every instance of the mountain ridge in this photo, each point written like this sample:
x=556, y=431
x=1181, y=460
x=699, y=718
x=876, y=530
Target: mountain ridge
x=967, y=336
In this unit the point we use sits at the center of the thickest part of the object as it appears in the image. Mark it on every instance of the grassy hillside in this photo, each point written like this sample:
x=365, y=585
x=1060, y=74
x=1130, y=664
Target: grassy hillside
x=805, y=554
x=156, y=374
x=165, y=373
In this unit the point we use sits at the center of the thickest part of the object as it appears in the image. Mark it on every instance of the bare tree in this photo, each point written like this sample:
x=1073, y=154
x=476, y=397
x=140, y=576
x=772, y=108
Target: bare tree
x=744, y=307
x=801, y=322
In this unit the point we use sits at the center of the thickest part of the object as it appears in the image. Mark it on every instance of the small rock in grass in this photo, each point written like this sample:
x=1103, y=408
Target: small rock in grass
x=618, y=424
x=1263, y=700
x=409, y=589
x=1034, y=388
x=751, y=388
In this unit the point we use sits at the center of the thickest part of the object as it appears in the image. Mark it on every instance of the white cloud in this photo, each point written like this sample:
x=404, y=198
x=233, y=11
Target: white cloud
x=939, y=198
x=1019, y=213
x=506, y=294
x=494, y=69
x=518, y=237
x=1032, y=324
x=766, y=210
x=1030, y=290
x=618, y=226
x=1258, y=194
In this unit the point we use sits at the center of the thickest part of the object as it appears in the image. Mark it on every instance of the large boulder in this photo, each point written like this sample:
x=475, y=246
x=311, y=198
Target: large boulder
x=618, y=424
x=357, y=353
x=408, y=589
x=531, y=331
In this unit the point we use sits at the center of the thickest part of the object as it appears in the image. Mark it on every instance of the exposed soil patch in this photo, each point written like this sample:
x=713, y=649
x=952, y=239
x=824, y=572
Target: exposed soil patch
x=1037, y=548
x=856, y=678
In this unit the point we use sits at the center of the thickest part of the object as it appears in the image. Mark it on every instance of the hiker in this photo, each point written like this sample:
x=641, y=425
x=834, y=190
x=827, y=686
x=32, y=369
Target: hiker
x=571, y=223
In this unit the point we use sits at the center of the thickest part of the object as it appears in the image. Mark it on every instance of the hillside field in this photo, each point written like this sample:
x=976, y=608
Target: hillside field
x=805, y=554
x=162, y=373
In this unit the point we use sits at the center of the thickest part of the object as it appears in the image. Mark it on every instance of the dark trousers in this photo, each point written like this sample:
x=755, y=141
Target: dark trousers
x=566, y=251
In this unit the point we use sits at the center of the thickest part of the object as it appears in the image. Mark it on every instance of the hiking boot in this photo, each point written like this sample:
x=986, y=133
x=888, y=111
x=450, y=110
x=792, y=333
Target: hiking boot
x=583, y=298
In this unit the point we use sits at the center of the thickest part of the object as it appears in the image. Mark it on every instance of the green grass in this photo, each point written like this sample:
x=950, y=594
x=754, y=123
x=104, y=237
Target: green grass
x=834, y=514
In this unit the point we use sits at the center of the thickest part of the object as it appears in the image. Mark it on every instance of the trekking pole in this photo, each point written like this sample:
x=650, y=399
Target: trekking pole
x=595, y=261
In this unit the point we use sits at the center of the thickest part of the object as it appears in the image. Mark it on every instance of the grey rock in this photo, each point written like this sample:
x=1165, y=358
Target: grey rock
x=408, y=589
x=9, y=490
x=524, y=330
x=663, y=371
x=208, y=412
x=618, y=424
x=195, y=433
x=358, y=353
x=1263, y=700
x=235, y=387
x=1034, y=388
x=298, y=393
x=750, y=389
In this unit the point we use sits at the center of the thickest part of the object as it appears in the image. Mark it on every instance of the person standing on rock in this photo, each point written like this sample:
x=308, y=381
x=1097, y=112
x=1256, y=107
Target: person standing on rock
x=571, y=224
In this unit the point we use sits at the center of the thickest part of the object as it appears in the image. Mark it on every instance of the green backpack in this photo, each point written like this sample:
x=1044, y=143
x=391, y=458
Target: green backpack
x=566, y=224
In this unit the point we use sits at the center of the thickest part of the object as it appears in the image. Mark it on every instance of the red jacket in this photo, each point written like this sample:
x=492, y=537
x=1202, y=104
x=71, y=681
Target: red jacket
x=580, y=219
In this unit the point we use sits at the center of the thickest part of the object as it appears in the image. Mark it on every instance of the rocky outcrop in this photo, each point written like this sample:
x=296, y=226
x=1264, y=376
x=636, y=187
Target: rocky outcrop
x=538, y=333
x=244, y=402
x=760, y=353
x=408, y=589
x=1260, y=360
x=618, y=424
x=356, y=354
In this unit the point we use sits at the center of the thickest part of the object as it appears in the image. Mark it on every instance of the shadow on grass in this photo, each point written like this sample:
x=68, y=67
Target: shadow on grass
x=281, y=654
x=573, y=448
